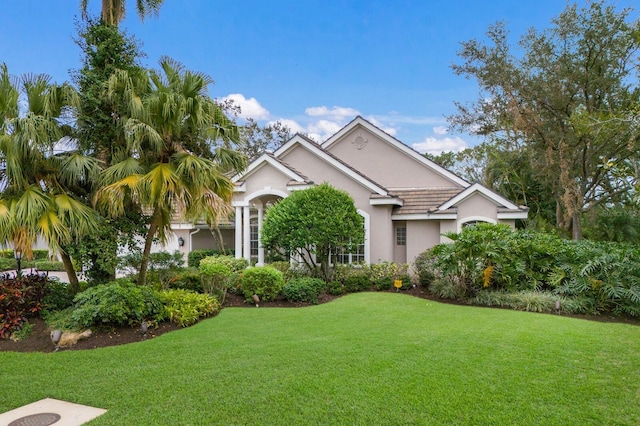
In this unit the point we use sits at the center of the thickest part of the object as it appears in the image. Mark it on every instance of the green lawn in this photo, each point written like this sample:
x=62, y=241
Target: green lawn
x=367, y=359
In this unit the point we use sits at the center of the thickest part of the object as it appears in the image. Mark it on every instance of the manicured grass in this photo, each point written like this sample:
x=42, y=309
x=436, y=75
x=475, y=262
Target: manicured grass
x=368, y=358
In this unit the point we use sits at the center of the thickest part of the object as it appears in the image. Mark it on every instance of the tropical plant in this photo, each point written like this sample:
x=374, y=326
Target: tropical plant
x=186, y=307
x=105, y=49
x=118, y=303
x=589, y=276
x=171, y=167
x=37, y=182
x=113, y=11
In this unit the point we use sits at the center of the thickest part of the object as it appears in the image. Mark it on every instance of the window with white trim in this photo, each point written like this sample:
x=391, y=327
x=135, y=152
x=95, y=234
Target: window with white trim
x=345, y=258
x=253, y=236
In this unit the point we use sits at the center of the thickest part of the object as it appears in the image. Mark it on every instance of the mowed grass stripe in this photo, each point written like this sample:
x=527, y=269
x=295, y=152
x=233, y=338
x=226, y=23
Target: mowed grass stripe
x=368, y=358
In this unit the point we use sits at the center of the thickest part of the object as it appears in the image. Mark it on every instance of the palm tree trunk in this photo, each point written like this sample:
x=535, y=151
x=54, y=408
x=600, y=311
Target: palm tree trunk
x=153, y=227
x=74, y=285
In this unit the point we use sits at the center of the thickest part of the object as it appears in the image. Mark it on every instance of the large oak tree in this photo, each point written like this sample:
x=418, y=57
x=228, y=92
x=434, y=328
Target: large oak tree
x=541, y=94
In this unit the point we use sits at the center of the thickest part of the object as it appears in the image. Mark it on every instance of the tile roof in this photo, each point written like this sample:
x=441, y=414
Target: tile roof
x=423, y=200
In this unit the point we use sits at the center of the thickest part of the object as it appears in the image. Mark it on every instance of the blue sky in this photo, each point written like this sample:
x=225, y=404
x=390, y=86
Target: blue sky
x=313, y=64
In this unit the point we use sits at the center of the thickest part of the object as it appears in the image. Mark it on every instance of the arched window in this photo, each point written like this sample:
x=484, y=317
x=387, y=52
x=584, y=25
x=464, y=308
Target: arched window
x=474, y=220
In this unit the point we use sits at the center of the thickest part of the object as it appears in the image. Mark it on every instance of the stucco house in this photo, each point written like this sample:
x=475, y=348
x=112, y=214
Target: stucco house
x=406, y=200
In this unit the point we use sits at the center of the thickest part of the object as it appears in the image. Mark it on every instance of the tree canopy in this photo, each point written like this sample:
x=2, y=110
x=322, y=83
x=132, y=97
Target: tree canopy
x=561, y=95
x=314, y=224
x=179, y=153
x=113, y=11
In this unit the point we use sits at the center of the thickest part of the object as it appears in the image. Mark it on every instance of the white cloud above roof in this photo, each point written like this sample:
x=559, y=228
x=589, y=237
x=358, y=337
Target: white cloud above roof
x=291, y=124
x=437, y=145
x=249, y=108
x=387, y=129
x=335, y=113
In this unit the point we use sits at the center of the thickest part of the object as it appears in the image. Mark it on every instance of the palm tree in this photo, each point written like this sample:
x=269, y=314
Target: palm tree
x=35, y=182
x=179, y=155
x=113, y=11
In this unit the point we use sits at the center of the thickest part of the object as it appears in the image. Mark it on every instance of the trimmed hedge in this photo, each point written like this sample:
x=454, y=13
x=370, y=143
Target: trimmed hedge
x=195, y=256
x=264, y=281
x=304, y=290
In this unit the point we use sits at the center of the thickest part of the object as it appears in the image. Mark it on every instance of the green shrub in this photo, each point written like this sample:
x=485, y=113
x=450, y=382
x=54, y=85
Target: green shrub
x=39, y=254
x=304, y=290
x=23, y=332
x=195, y=256
x=336, y=288
x=406, y=282
x=215, y=279
x=115, y=304
x=357, y=282
x=61, y=320
x=391, y=270
x=290, y=271
x=57, y=296
x=186, y=307
x=383, y=284
x=424, y=265
x=188, y=279
x=447, y=288
x=591, y=276
x=7, y=264
x=236, y=266
x=264, y=281
x=48, y=265
x=531, y=301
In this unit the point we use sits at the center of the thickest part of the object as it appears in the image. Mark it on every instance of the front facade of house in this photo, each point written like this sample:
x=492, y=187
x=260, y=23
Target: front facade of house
x=406, y=200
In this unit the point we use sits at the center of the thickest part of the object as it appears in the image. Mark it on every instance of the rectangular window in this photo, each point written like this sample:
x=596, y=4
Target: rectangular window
x=401, y=236
x=253, y=238
x=347, y=258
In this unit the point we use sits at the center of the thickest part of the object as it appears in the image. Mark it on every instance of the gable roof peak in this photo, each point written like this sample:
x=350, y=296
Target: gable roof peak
x=396, y=143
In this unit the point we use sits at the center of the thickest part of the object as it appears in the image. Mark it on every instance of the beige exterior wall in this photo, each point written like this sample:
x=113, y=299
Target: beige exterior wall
x=447, y=226
x=266, y=176
x=380, y=223
x=421, y=235
x=319, y=172
x=204, y=239
x=384, y=163
x=382, y=235
x=476, y=207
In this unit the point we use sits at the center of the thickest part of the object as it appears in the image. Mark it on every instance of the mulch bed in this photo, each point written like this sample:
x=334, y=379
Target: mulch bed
x=40, y=341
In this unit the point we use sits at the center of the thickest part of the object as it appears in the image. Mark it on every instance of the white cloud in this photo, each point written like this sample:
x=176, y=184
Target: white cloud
x=249, y=108
x=394, y=117
x=390, y=130
x=440, y=130
x=335, y=113
x=291, y=124
x=435, y=146
x=323, y=129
